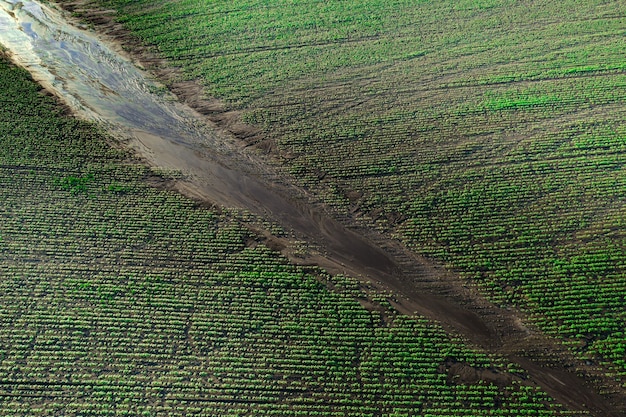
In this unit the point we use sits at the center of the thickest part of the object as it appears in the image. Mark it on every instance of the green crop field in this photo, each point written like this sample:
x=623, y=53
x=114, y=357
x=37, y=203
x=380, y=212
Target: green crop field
x=121, y=299
x=487, y=135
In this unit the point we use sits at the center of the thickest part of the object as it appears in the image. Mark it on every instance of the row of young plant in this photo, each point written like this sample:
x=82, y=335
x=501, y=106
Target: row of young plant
x=503, y=212
x=136, y=301
x=488, y=138
x=246, y=329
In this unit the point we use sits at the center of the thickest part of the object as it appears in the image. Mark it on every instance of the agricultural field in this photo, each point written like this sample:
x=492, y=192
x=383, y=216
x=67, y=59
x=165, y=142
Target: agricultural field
x=489, y=135
x=120, y=298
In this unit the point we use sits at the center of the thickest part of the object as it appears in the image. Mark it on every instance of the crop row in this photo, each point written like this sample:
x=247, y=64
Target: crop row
x=135, y=301
x=490, y=139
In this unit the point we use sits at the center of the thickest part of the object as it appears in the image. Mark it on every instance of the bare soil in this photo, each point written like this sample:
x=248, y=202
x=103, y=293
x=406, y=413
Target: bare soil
x=421, y=285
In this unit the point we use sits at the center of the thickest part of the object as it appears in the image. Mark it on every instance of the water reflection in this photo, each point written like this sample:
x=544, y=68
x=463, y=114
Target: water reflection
x=95, y=80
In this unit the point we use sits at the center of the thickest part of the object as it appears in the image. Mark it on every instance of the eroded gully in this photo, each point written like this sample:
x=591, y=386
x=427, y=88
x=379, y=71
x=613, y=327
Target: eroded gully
x=99, y=83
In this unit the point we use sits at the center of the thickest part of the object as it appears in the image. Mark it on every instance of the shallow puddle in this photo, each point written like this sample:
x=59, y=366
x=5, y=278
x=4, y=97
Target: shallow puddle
x=94, y=80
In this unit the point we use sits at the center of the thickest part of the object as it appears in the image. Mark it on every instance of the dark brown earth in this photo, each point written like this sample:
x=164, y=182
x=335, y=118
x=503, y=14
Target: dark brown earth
x=421, y=285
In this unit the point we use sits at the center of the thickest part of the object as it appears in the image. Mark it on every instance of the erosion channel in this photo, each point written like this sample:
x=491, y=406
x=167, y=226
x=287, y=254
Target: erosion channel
x=100, y=83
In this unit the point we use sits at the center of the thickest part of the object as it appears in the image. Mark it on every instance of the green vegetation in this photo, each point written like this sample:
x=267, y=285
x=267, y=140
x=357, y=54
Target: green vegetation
x=76, y=184
x=119, y=299
x=488, y=135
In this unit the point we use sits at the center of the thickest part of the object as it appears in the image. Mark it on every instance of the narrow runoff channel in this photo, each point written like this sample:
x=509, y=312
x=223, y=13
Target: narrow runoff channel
x=99, y=83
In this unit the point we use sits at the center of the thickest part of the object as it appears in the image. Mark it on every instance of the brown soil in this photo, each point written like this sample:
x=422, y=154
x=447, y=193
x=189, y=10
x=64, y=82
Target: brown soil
x=422, y=286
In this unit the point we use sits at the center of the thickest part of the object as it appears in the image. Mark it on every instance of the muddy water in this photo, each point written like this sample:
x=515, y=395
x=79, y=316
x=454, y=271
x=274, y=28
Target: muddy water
x=101, y=85
x=94, y=80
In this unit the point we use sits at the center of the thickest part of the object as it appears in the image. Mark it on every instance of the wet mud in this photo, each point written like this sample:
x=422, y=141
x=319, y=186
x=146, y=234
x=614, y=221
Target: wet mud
x=209, y=146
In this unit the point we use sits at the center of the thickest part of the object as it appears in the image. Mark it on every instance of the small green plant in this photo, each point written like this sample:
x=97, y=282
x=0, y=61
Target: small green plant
x=73, y=184
x=118, y=188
